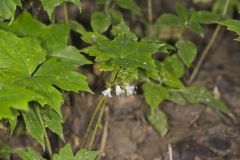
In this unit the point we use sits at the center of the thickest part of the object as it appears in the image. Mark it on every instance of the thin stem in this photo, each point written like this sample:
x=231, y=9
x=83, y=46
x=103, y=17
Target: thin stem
x=49, y=148
x=101, y=101
x=106, y=7
x=92, y=119
x=208, y=47
x=104, y=135
x=66, y=19
x=96, y=126
x=65, y=13
x=150, y=17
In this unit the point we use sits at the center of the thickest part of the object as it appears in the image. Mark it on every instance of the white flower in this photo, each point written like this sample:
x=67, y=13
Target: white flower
x=119, y=90
x=107, y=92
x=130, y=90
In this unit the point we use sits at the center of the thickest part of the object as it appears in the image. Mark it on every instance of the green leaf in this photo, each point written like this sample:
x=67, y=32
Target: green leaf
x=76, y=26
x=33, y=125
x=14, y=97
x=169, y=20
x=70, y=54
x=50, y=5
x=31, y=154
x=171, y=69
x=13, y=124
x=16, y=55
x=158, y=120
x=5, y=152
x=232, y=25
x=204, y=17
x=182, y=11
x=84, y=154
x=154, y=94
x=196, y=27
x=8, y=7
x=65, y=153
x=123, y=31
x=116, y=16
x=196, y=95
x=20, y=60
x=128, y=4
x=187, y=51
x=100, y=21
x=52, y=37
x=125, y=53
x=52, y=120
x=173, y=66
x=58, y=73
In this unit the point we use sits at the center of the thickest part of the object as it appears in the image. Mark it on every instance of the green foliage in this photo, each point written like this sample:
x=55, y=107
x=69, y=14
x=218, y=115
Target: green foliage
x=158, y=120
x=49, y=5
x=232, y=25
x=100, y=21
x=196, y=95
x=154, y=94
x=66, y=153
x=187, y=19
x=187, y=51
x=24, y=66
x=37, y=65
x=5, y=152
x=8, y=7
x=31, y=154
x=128, y=4
x=122, y=52
x=34, y=126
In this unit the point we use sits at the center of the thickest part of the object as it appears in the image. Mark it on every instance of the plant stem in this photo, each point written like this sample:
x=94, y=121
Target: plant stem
x=208, y=47
x=66, y=19
x=104, y=134
x=101, y=101
x=96, y=126
x=150, y=17
x=65, y=13
x=102, y=98
x=48, y=144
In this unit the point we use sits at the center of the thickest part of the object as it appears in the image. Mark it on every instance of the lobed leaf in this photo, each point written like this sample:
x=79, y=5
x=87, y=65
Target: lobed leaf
x=31, y=154
x=22, y=65
x=34, y=126
x=232, y=25
x=122, y=52
x=66, y=153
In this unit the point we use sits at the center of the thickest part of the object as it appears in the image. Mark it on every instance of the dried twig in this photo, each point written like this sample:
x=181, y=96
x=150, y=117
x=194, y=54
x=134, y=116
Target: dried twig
x=170, y=152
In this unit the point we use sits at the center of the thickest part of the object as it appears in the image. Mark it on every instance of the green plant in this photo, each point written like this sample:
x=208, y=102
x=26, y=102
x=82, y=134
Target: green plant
x=37, y=66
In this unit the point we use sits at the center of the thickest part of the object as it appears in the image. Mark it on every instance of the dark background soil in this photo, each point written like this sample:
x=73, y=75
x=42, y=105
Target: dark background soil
x=196, y=132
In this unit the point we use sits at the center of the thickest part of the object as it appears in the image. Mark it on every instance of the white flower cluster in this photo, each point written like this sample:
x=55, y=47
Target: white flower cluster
x=129, y=90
